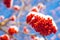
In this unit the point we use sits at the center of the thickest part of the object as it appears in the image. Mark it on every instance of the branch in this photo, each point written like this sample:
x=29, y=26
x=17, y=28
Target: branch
x=45, y=38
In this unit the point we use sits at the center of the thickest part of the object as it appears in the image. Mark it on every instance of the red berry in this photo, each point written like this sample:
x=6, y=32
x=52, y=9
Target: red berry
x=26, y=31
x=29, y=18
x=34, y=9
x=12, y=30
x=13, y=18
x=4, y=37
x=16, y=7
x=8, y=3
x=1, y=17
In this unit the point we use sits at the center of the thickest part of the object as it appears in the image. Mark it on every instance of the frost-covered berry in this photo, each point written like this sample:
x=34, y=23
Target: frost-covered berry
x=25, y=30
x=13, y=18
x=13, y=30
x=16, y=7
x=34, y=9
x=1, y=17
x=41, y=6
x=4, y=37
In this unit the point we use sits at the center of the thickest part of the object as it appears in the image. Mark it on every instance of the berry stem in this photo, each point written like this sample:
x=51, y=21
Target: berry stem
x=45, y=38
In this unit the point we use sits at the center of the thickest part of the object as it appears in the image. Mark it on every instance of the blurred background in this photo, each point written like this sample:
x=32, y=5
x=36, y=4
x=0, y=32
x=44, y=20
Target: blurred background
x=52, y=9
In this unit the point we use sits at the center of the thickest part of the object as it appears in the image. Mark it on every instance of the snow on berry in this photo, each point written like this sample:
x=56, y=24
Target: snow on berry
x=29, y=18
x=41, y=23
x=33, y=37
x=1, y=17
x=13, y=18
x=34, y=9
x=4, y=37
x=25, y=30
x=41, y=6
x=16, y=7
x=13, y=30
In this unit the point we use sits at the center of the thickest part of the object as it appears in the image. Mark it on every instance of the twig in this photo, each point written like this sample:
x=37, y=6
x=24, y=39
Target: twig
x=45, y=38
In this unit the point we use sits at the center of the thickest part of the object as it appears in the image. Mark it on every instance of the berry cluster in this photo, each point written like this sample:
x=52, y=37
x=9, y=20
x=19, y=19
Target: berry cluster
x=41, y=23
